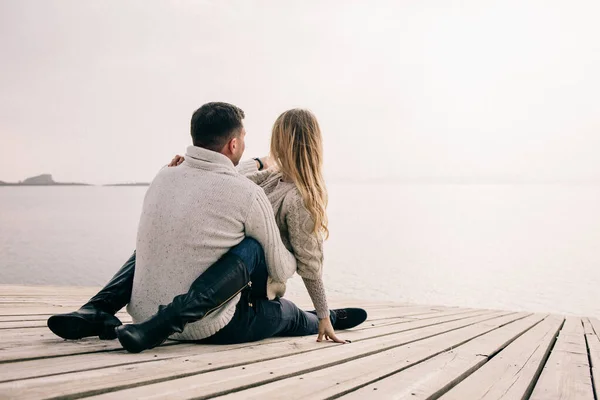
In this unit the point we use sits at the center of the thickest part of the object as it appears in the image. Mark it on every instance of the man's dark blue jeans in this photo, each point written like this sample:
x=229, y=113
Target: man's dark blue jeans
x=258, y=318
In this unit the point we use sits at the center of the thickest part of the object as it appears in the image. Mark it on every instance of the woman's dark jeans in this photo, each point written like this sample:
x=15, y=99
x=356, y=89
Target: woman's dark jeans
x=255, y=316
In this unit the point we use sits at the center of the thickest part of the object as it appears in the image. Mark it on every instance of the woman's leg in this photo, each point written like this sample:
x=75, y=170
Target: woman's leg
x=260, y=319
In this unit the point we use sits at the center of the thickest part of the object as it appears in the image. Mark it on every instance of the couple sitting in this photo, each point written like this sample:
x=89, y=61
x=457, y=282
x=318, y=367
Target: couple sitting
x=212, y=259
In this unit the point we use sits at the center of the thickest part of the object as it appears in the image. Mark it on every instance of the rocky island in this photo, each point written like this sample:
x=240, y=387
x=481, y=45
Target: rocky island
x=42, y=180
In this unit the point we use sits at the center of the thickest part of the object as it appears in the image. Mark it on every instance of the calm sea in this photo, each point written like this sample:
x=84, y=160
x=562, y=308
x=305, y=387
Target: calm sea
x=522, y=247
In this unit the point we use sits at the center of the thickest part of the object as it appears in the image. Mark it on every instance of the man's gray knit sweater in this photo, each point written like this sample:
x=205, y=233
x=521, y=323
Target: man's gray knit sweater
x=192, y=215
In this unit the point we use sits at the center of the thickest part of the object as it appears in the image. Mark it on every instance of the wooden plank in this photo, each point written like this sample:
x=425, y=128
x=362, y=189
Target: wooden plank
x=13, y=311
x=68, y=295
x=21, y=325
x=286, y=375
x=374, y=303
x=588, y=329
x=48, y=290
x=595, y=322
x=16, y=318
x=27, y=329
x=434, y=377
x=26, y=300
x=566, y=374
x=593, y=343
x=435, y=314
x=401, y=312
x=400, y=320
x=26, y=336
x=55, y=347
x=99, y=380
x=40, y=323
x=511, y=373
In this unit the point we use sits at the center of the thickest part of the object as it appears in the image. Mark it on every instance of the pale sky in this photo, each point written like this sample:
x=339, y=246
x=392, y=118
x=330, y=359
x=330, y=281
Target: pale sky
x=102, y=91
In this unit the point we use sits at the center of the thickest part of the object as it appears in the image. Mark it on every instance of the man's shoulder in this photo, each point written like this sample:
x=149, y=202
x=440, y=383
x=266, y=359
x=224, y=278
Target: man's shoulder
x=245, y=183
x=200, y=179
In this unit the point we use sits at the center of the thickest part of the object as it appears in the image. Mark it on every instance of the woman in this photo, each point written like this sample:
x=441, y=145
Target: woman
x=293, y=180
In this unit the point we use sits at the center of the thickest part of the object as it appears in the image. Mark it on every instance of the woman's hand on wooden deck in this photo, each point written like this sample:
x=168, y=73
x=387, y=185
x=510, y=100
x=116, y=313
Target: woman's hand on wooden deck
x=326, y=331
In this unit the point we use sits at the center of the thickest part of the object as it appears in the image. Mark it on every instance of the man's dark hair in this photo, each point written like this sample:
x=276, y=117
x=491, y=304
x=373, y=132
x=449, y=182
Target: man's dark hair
x=214, y=124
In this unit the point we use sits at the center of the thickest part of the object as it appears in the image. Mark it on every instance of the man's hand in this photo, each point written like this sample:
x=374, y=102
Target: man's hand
x=176, y=161
x=326, y=330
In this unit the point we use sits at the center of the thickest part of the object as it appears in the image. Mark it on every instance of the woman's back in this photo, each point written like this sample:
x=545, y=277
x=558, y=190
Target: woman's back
x=296, y=227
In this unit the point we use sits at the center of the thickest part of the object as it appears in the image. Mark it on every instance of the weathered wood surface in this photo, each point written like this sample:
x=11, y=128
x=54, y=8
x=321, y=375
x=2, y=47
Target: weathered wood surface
x=403, y=351
x=567, y=373
x=512, y=372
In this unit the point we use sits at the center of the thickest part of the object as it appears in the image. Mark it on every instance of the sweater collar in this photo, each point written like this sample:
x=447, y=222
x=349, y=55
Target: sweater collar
x=207, y=159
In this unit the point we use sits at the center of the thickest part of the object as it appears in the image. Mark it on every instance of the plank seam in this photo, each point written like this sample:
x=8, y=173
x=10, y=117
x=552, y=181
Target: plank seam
x=538, y=373
x=589, y=354
x=24, y=315
x=20, y=327
x=71, y=354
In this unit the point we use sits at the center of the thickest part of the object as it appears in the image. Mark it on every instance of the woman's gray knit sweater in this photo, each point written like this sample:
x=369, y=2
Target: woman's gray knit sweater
x=297, y=230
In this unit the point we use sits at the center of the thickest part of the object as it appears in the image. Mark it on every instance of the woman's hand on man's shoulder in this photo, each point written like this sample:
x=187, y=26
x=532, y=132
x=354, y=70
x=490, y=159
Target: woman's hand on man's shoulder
x=177, y=160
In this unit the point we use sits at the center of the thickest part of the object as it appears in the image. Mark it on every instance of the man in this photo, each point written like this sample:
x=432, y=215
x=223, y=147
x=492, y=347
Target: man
x=205, y=230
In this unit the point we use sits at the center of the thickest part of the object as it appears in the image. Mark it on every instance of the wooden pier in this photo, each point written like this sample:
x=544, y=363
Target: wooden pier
x=403, y=351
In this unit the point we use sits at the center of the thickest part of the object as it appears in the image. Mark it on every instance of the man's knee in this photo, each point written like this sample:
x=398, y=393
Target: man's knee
x=251, y=244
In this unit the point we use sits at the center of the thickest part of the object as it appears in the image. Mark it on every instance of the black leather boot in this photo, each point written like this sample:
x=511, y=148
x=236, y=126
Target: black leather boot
x=346, y=318
x=97, y=316
x=217, y=285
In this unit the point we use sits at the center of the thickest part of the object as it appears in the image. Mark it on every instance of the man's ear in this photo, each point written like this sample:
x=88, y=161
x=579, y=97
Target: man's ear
x=229, y=147
x=233, y=145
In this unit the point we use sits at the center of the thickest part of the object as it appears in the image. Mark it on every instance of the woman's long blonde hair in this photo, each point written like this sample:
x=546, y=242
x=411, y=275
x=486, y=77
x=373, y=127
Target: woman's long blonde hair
x=297, y=149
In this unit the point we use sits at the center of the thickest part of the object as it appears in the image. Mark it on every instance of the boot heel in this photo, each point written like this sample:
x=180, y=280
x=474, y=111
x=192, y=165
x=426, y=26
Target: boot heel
x=108, y=330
